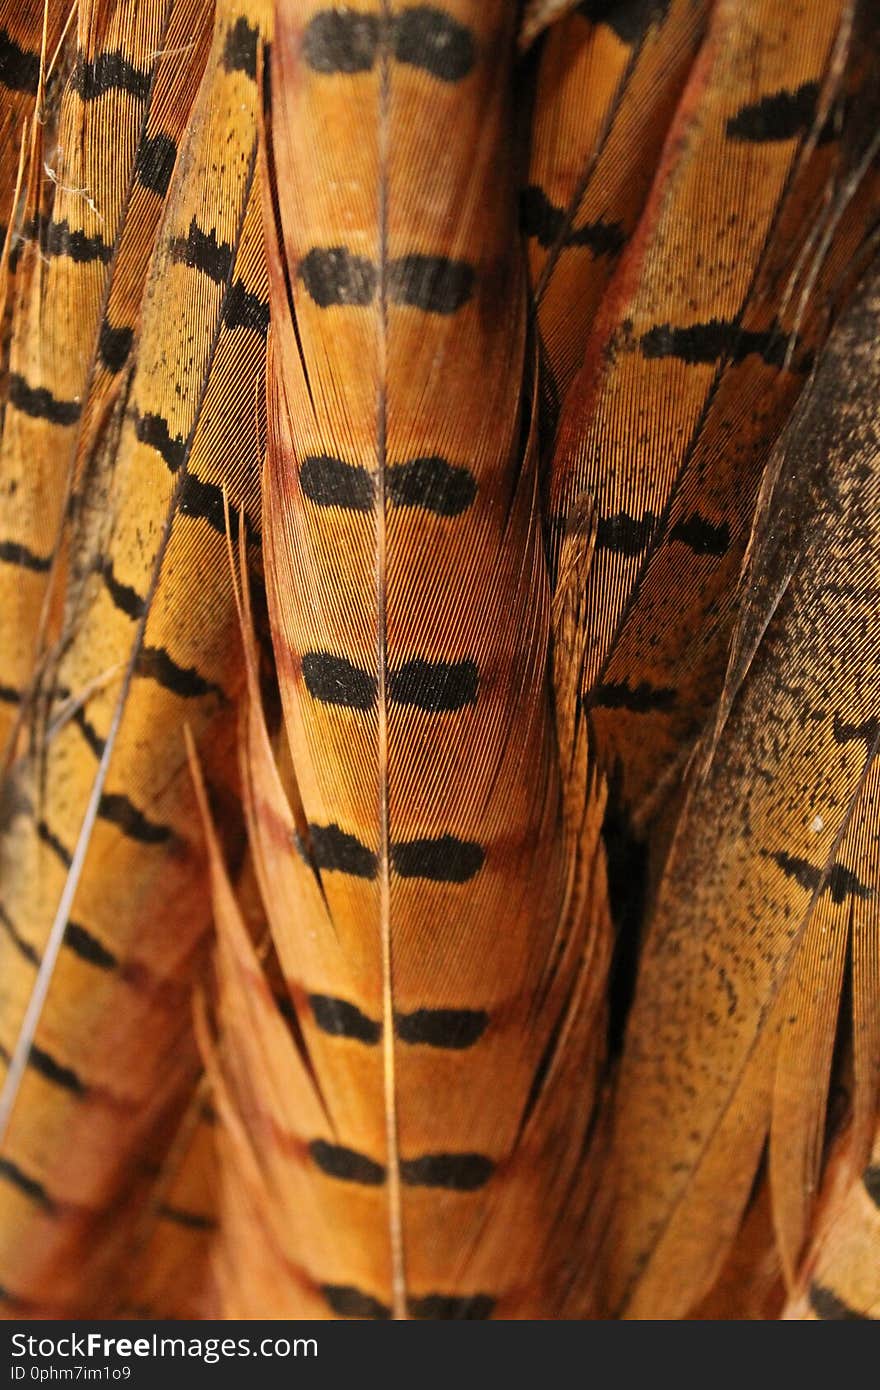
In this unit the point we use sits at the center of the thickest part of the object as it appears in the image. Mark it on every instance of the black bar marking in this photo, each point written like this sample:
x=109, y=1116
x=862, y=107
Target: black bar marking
x=240, y=49
x=434, y=284
x=465, y=1172
x=123, y=596
x=871, y=1180
x=156, y=664
x=205, y=500
x=88, y=947
x=348, y=1302
x=341, y=41
x=329, y=482
x=202, y=251
x=39, y=403
x=780, y=116
x=9, y=695
x=61, y=241
x=432, y=483
x=701, y=536
x=639, y=699
x=333, y=849
x=866, y=732
x=54, y=1071
x=706, y=343
x=336, y=681
x=19, y=70
x=339, y=1162
x=29, y=1186
x=88, y=731
x=29, y=952
x=49, y=838
x=114, y=345
x=193, y=1220
x=153, y=429
x=245, y=310
x=437, y=687
x=154, y=163
x=445, y=859
x=449, y=1307
x=624, y=534
x=13, y=553
x=121, y=811
x=109, y=72
x=332, y=275
x=341, y=1019
x=627, y=18
x=827, y=1306
x=840, y=882
x=548, y=224
x=454, y=1028
x=426, y=38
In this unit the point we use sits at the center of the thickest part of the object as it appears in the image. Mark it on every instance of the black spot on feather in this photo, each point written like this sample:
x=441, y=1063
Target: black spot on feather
x=866, y=732
x=54, y=843
x=346, y=1164
x=452, y=1307
x=202, y=251
x=240, y=49
x=434, y=284
x=427, y=38
x=782, y=115
x=548, y=224
x=59, y=240
x=88, y=947
x=627, y=18
x=336, y=681
x=431, y=483
x=11, y=1173
x=701, y=536
x=153, y=430
x=639, y=699
x=182, y=1216
x=19, y=69
x=435, y=686
x=348, y=1302
x=14, y=553
x=109, y=72
x=121, y=811
x=830, y=1308
x=705, y=343
x=114, y=345
x=444, y=859
x=205, y=501
x=29, y=952
x=123, y=596
x=333, y=276
x=453, y=1028
x=841, y=883
x=40, y=404
x=334, y=849
x=341, y=41
x=341, y=1019
x=159, y=665
x=245, y=310
x=330, y=482
x=624, y=534
x=461, y=1172
x=155, y=161
x=54, y=1071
